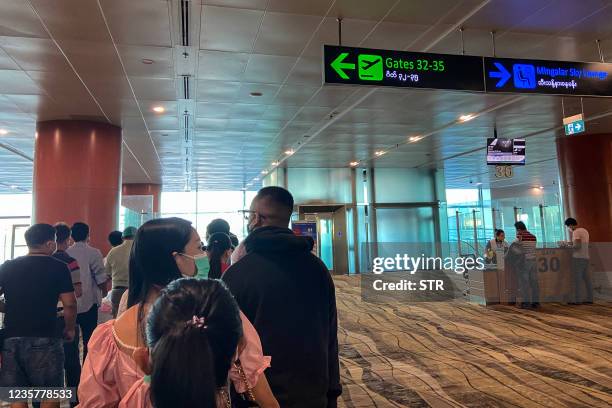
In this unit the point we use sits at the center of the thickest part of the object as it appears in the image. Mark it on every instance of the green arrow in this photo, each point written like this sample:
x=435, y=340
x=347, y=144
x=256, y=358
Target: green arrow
x=339, y=65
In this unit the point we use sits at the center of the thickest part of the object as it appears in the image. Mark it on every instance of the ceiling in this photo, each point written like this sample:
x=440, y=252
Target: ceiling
x=87, y=59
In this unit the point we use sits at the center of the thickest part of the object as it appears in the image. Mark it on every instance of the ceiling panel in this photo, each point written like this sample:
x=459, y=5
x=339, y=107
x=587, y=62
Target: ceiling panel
x=274, y=48
x=154, y=15
x=297, y=31
x=229, y=29
x=222, y=65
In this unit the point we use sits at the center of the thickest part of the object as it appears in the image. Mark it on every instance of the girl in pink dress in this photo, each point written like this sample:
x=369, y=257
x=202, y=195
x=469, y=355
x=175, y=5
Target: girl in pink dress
x=164, y=250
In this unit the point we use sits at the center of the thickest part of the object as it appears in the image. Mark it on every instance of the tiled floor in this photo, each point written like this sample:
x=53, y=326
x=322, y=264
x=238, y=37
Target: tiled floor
x=443, y=354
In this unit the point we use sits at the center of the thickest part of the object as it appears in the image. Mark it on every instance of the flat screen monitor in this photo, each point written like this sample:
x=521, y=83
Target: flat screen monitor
x=505, y=151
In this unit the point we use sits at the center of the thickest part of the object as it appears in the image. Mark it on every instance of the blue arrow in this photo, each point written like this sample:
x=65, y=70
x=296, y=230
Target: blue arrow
x=502, y=74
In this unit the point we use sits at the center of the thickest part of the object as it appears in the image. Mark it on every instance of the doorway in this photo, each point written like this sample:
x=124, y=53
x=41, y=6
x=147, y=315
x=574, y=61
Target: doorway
x=332, y=247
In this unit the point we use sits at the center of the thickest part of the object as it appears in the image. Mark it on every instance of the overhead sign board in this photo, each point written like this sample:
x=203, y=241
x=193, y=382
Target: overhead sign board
x=364, y=66
x=548, y=77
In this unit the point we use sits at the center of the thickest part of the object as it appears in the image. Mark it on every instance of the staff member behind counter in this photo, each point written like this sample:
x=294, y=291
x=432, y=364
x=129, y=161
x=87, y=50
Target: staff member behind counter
x=580, y=261
x=495, y=246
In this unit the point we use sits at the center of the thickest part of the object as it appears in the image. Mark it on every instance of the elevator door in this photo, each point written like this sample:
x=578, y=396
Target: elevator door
x=331, y=237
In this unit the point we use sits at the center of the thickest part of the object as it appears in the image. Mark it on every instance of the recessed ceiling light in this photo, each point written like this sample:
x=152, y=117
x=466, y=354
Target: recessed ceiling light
x=264, y=172
x=3, y=132
x=415, y=138
x=354, y=163
x=159, y=109
x=479, y=184
x=256, y=94
x=275, y=163
x=256, y=179
x=147, y=61
x=465, y=118
x=379, y=153
x=13, y=187
x=541, y=187
x=289, y=152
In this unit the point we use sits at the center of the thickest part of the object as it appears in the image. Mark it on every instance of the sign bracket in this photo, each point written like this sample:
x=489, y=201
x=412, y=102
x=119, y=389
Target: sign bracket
x=601, y=56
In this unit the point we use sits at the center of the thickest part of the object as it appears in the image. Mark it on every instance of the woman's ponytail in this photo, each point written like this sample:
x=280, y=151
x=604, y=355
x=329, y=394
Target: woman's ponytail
x=192, y=331
x=183, y=372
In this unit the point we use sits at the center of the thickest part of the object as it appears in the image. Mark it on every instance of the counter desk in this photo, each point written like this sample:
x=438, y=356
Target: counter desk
x=493, y=285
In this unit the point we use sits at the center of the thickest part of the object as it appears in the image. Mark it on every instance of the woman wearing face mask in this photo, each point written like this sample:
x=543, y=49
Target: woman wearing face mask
x=163, y=250
x=219, y=251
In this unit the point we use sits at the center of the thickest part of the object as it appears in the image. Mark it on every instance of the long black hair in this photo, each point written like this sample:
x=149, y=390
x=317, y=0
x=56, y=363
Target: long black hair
x=218, y=243
x=151, y=260
x=190, y=360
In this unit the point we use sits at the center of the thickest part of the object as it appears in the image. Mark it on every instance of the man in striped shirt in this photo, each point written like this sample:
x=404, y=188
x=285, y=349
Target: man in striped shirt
x=72, y=362
x=528, y=285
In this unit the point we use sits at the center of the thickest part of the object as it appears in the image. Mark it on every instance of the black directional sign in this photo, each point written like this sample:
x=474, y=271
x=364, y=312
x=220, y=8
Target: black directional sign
x=548, y=77
x=363, y=66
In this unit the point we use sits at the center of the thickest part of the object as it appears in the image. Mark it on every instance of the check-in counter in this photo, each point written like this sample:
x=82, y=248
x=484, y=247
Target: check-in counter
x=493, y=285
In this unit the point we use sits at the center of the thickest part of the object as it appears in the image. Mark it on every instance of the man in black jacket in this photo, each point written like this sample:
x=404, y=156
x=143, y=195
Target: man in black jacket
x=289, y=296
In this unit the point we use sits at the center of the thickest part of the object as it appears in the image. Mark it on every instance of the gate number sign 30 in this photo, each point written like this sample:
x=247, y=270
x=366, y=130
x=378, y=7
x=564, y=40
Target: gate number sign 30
x=504, y=171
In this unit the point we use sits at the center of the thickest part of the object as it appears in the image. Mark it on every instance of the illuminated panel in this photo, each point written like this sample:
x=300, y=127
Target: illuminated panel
x=363, y=66
x=548, y=77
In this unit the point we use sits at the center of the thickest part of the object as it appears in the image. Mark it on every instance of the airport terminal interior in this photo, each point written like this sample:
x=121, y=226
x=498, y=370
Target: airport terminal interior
x=403, y=129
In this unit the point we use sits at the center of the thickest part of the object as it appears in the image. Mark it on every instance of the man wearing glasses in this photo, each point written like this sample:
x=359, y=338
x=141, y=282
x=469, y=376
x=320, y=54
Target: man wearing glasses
x=289, y=296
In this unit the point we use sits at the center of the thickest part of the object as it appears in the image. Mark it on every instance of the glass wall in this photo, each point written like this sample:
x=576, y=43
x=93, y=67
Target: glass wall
x=403, y=185
x=473, y=214
x=15, y=218
x=320, y=185
x=204, y=206
x=392, y=205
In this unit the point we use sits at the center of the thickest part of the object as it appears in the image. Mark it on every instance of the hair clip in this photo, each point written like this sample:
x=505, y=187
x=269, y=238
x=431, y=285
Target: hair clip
x=198, y=322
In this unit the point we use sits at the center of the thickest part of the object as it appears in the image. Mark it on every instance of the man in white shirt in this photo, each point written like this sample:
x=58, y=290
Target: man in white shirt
x=580, y=261
x=93, y=281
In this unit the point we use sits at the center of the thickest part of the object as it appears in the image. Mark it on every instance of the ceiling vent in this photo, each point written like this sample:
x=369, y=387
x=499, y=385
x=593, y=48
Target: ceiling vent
x=185, y=23
x=186, y=83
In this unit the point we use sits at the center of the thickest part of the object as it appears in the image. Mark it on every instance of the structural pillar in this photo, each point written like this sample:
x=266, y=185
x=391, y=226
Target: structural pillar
x=77, y=176
x=144, y=189
x=585, y=163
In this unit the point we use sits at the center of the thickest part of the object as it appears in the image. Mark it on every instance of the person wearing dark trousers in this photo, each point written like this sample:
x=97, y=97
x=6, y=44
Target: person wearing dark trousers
x=32, y=352
x=580, y=262
x=529, y=286
x=93, y=281
x=72, y=364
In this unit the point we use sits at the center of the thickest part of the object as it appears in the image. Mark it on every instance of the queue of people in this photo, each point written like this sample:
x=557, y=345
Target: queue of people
x=193, y=325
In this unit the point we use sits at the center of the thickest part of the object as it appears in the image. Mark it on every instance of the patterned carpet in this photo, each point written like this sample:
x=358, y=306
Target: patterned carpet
x=455, y=354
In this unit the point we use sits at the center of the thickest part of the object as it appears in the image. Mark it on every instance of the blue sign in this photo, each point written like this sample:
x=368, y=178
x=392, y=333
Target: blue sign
x=574, y=127
x=524, y=76
x=548, y=77
x=501, y=73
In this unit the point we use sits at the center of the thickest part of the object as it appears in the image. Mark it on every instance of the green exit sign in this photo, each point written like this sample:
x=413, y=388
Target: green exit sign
x=574, y=127
x=574, y=124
